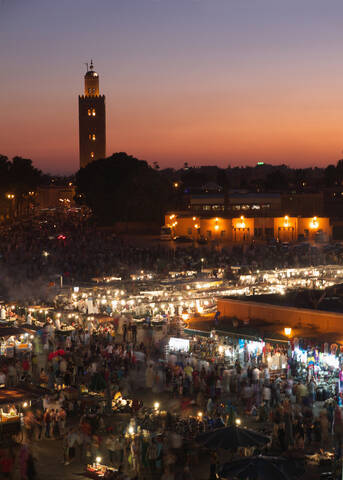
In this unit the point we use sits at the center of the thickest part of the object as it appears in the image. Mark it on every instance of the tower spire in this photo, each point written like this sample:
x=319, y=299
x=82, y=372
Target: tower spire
x=92, y=122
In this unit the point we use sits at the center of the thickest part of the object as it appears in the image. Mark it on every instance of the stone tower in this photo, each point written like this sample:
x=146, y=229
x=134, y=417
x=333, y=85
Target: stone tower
x=92, y=121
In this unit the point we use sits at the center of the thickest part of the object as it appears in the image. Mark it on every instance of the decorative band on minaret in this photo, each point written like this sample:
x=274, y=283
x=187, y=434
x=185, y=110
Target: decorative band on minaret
x=92, y=119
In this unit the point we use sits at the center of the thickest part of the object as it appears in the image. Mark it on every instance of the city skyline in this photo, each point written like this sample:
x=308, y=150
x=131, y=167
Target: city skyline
x=218, y=82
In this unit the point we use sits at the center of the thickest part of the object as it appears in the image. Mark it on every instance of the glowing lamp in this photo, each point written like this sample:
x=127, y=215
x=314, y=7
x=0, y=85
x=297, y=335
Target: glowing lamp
x=200, y=414
x=241, y=224
x=98, y=460
x=238, y=422
x=216, y=227
x=25, y=404
x=286, y=221
x=194, y=218
x=185, y=316
x=288, y=331
x=314, y=224
x=131, y=430
x=156, y=405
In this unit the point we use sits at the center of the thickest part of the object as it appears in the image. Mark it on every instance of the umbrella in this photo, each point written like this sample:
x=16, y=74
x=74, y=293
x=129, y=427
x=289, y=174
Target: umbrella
x=58, y=353
x=9, y=331
x=261, y=468
x=231, y=438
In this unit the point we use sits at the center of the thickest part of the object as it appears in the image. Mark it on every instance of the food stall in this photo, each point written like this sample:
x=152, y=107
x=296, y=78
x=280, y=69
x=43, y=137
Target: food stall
x=97, y=470
x=15, y=340
x=13, y=403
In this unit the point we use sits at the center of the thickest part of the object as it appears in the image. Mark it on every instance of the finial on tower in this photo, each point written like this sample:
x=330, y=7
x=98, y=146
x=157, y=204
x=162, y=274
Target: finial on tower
x=91, y=65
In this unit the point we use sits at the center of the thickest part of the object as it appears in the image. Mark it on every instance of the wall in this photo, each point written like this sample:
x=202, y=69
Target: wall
x=286, y=230
x=92, y=125
x=212, y=228
x=305, y=224
x=259, y=228
x=284, y=316
x=49, y=196
x=242, y=229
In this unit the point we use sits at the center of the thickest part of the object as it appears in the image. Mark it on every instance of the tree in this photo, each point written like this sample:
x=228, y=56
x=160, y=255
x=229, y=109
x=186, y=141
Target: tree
x=123, y=188
x=17, y=177
x=4, y=174
x=330, y=175
x=339, y=172
x=277, y=180
x=23, y=178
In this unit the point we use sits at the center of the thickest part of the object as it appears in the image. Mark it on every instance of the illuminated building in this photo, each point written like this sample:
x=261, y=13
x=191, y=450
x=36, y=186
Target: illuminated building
x=245, y=229
x=92, y=120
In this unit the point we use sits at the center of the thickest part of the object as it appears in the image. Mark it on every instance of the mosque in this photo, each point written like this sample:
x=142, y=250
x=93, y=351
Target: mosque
x=92, y=119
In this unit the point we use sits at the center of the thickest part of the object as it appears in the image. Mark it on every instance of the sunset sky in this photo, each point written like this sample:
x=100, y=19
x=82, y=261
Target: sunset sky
x=204, y=81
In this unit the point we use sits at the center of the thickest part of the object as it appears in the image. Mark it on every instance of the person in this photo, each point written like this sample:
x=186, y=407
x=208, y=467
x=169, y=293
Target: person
x=12, y=375
x=39, y=423
x=43, y=376
x=47, y=422
x=30, y=467
x=111, y=447
x=213, y=465
x=23, y=461
x=256, y=375
x=2, y=378
x=6, y=463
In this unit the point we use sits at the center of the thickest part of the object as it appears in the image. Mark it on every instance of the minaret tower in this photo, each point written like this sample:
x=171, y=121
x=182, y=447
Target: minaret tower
x=92, y=121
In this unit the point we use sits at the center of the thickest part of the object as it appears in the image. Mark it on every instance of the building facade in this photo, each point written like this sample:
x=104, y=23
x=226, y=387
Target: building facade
x=54, y=196
x=243, y=229
x=237, y=203
x=92, y=120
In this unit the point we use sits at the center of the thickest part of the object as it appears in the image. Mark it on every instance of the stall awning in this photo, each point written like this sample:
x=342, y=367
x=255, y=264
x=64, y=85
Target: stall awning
x=21, y=394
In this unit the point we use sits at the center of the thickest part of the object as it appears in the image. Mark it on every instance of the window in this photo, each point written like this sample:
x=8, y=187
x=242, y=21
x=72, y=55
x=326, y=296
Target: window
x=206, y=207
x=92, y=154
x=217, y=207
x=265, y=205
x=92, y=137
x=245, y=207
x=236, y=207
x=89, y=91
x=223, y=233
x=91, y=112
x=255, y=207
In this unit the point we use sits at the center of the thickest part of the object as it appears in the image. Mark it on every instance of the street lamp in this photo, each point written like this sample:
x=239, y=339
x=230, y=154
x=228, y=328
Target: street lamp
x=11, y=197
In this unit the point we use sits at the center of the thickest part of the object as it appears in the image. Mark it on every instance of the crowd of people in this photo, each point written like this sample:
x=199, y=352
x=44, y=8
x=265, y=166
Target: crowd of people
x=68, y=244
x=137, y=406
x=198, y=395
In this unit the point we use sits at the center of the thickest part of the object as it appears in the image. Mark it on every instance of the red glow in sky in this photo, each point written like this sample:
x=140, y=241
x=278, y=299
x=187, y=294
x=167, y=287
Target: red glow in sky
x=208, y=82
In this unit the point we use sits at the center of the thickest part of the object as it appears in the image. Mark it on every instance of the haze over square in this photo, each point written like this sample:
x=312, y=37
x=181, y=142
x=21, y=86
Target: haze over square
x=207, y=82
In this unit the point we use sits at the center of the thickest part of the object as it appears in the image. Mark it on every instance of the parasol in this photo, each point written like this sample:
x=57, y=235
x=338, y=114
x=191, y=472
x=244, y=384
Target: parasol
x=230, y=438
x=262, y=468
